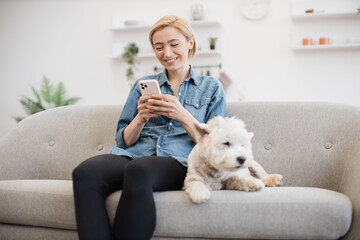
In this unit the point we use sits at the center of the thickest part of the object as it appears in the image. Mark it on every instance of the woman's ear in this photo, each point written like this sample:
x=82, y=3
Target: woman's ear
x=191, y=41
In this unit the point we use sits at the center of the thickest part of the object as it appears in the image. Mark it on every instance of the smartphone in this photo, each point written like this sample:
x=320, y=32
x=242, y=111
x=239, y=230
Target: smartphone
x=150, y=86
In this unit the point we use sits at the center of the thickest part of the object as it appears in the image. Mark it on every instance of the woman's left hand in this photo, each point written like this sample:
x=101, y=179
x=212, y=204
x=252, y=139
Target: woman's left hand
x=170, y=108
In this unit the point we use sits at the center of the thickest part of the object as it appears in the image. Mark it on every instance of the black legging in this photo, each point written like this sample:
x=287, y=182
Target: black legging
x=99, y=176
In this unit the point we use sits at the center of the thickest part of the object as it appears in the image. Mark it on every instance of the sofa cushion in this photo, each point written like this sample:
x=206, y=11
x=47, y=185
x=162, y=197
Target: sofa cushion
x=47, y=203
x=275, y=213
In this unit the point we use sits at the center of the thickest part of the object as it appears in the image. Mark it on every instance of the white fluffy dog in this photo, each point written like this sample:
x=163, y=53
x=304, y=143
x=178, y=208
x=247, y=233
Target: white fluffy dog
x=223, y=159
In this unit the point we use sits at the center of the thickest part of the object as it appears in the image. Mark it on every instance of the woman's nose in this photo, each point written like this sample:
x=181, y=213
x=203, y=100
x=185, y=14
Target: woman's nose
x=167, y=51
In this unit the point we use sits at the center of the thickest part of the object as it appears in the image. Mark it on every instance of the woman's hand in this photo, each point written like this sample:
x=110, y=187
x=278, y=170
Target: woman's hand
x=166, y=105
x=145, y=113
x=132, y=132
x=169, y=106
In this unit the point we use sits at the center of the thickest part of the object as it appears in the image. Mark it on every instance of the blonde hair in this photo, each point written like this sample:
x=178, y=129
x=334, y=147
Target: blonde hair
x=177, y=22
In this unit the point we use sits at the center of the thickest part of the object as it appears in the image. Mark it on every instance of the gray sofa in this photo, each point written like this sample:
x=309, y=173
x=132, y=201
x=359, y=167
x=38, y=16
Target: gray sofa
x=316, y=146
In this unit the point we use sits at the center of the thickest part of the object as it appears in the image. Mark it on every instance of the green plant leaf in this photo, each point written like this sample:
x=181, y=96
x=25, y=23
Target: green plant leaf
x=31, y=106
x=54, y=96
x=71, y=101
x=59, y=95
x=18, y=119
x=129, y=56
x=37, y=95
x=46, y=90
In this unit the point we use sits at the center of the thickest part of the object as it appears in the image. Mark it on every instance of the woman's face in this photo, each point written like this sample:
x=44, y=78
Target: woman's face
x=171, y=48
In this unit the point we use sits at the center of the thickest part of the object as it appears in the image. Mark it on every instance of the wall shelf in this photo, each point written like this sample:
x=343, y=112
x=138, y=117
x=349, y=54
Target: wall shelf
x=143, y=56
x=334, y=19
x=331, y=46
x=140, y=27
x=324, y=15
x=144, y=26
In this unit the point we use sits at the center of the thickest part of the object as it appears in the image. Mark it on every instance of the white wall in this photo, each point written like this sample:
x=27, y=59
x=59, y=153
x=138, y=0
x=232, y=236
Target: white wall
x=69, y=41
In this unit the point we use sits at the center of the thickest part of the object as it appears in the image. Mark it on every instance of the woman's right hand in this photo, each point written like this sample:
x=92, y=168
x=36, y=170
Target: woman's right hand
x=145, y=113
x=132, y=132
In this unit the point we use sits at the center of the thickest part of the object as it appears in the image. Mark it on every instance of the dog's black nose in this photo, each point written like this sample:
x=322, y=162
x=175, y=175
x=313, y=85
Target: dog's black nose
x=241, y=160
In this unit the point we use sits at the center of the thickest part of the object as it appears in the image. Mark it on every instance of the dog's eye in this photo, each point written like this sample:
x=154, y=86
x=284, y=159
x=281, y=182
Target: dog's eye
x=228, y=144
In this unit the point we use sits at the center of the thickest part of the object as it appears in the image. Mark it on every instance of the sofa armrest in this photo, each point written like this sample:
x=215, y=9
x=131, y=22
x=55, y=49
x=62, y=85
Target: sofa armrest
x=350, y=186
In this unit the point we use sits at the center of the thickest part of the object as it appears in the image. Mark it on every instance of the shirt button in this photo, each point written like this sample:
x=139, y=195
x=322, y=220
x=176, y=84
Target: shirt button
x=170, y=124
x=179, y=93
x=158, y=146
x=197, y=105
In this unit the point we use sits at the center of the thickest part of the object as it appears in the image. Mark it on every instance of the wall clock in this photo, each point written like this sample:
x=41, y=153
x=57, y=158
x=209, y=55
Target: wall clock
x=254, y=9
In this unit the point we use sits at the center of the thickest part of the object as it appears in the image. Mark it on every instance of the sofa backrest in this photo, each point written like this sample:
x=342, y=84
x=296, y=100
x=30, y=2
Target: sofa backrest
x=50, y=144
x=309, y=143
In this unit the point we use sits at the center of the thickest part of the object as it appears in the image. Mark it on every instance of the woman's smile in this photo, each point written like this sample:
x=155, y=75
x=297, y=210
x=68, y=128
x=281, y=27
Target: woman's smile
x=172, y=60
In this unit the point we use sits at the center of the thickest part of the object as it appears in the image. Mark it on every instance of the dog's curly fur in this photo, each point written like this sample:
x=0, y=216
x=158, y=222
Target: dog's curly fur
x=223, y=159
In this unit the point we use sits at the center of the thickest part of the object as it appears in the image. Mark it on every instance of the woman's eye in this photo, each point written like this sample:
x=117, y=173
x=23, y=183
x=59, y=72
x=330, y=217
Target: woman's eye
x=174, y=45
x=159, y=48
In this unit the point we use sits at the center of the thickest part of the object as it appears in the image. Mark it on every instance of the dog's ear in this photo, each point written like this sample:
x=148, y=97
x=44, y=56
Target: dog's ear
x=250, y=135
x=201, y=129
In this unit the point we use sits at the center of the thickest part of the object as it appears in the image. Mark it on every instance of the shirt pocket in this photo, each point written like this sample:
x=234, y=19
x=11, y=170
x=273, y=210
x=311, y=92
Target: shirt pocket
x=197, y=107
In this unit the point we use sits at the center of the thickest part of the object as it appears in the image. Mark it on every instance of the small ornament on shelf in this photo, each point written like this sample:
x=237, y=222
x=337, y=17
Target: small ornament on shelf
x=212, y=42
x=197, y=12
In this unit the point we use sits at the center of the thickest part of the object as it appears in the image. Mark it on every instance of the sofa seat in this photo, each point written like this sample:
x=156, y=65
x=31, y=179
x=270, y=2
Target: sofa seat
x=277, y=213
x=45, y=203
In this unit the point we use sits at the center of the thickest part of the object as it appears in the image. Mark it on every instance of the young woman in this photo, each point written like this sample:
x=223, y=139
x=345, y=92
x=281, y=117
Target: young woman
x=154, y=136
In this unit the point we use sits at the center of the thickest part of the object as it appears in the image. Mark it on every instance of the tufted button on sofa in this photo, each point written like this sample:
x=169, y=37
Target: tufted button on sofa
x=315, y=146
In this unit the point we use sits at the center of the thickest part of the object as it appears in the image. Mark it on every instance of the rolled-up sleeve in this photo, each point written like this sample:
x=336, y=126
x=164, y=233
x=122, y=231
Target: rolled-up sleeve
x=217, y=105
x=127, y=115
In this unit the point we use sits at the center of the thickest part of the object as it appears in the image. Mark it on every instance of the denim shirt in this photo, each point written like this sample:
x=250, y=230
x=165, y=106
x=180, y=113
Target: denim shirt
x=202, y=96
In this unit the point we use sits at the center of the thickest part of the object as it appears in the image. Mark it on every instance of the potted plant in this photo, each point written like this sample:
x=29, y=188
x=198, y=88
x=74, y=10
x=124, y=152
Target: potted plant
x=212, y=42
x=49, y=96
x=129, y=56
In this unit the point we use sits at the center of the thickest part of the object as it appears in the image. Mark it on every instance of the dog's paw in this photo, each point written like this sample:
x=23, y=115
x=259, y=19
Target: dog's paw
x=273, y=180
x=253, y=185
x=200, y=196
x=198, y=192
